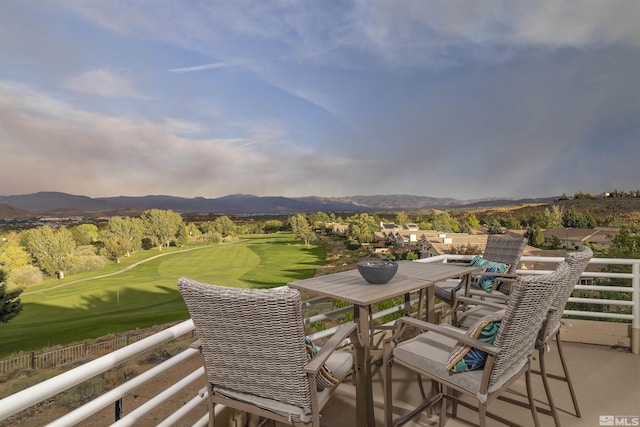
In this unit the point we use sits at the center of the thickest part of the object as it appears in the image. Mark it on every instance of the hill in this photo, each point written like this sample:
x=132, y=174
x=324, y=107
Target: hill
x=63, y=204
x=7, y=211
x=608, y=210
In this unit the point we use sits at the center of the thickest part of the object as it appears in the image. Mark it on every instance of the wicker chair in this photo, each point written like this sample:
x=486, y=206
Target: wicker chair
x=499, y=249
x=577, y=263
x=508, y=358
x=255, y=356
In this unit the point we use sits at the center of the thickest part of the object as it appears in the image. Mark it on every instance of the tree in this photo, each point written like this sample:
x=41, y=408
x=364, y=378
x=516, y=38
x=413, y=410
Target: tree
x=10, y=304
x=12, y=255
x=52, y=250
x=225, y=226
x=182, y=237
x=535, y=236
x=402, y=218
x=85, y=234
x=473, y=221
x=511, y=223
x=114, y=248
x=362, y=228
x=272, y=225
x=161, y=225
x=494, y=227
x=126, y=232
x=318, y=220
x=300, y=226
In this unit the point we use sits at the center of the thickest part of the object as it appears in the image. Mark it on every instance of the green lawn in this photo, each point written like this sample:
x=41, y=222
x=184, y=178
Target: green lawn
x=142, y=290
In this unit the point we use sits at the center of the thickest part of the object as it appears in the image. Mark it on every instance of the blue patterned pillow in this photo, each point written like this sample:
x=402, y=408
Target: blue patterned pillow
x=464, y=358
x=486, y=281
x=324, y=378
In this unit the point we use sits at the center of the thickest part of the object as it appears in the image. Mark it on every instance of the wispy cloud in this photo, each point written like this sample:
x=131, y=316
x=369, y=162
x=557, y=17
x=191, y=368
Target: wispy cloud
x=104, y=82
x=211, y=66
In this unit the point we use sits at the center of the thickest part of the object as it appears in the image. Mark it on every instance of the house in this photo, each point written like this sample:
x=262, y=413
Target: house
x=571, y=238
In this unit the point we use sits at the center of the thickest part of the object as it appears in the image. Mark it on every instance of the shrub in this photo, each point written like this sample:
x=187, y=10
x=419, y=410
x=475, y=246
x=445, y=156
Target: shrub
x=87, y=263
x=25, y=276
x=83, y=393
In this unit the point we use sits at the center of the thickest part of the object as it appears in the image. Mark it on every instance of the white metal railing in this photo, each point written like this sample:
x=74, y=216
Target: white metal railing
x=22, y=400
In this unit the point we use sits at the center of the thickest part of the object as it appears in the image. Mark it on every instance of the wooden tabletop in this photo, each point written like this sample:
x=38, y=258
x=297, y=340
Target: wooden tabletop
x=411, y=276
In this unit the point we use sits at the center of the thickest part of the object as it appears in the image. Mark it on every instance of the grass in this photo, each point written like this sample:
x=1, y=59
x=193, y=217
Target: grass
x=142, y=290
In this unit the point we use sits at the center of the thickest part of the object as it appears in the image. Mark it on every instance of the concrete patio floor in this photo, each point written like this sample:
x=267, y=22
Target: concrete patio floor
x=607, y=382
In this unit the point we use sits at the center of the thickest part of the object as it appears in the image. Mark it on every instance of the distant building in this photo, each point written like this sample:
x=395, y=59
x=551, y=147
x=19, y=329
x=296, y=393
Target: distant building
x=572, y=238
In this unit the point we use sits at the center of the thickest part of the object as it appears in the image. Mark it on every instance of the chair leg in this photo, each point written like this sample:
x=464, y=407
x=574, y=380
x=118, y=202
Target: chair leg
x=443, y=406
x=545, y=383
x=482, y=414
x=532, y=403
x=421, y=387
x=566, y=375
x=388, y=404
x=212, y=407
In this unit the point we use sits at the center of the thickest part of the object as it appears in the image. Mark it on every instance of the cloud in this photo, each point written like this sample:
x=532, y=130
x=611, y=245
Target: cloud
x=103, y=82
x=211, y=66
x=80, y=152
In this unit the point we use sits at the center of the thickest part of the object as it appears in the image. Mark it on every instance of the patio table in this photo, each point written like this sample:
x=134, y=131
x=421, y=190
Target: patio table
x=349, y=286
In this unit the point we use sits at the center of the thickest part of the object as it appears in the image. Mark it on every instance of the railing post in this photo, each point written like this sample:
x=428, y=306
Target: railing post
x=635, y=297
x=118, y=409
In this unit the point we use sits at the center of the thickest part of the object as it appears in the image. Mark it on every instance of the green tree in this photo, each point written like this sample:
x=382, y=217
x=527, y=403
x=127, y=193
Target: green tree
x=161, y=225
x=10, y=304
x=442, y=222
x=124, y=231
x=183, y=235
x=85, y=234
x=12, y=255
x=362, y=228
x=272, y=225
x=494, y=227
x=553, y=217
x=535, y=236
x=300, y=226
x=511, y=223
x=52, y=250
x=318, y=220
x=473, y=221
x=402, y=218
x=114, y=247
x=225, y=226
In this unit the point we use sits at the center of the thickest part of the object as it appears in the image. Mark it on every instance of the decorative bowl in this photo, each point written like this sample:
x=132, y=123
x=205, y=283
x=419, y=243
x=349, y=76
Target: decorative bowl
x=377, y=272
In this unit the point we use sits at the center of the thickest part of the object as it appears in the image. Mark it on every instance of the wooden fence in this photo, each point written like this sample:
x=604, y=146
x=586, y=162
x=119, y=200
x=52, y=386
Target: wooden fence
x=68, y=355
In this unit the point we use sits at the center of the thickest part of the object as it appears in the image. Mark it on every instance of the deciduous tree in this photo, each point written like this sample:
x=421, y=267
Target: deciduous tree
x=161, y=225
x=52, y=249
x=362, y=228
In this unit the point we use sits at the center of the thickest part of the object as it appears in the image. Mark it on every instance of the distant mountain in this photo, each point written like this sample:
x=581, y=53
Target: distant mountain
x=55, y=203
x=7, y=211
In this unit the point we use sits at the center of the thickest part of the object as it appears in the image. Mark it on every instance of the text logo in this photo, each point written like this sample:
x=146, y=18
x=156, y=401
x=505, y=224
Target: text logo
x=617, y=420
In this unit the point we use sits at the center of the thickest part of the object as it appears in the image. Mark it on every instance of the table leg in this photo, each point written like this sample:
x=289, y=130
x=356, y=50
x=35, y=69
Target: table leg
x=364, y=392
x=431, y=304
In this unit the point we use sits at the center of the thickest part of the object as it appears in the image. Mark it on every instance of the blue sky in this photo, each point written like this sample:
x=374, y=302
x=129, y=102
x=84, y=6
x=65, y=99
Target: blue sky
x=451, y=98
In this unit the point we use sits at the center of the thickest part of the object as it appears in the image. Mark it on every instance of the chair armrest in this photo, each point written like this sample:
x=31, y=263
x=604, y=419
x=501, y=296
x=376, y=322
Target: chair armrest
x=330, y=346
x=490, y=304
x=448, y=332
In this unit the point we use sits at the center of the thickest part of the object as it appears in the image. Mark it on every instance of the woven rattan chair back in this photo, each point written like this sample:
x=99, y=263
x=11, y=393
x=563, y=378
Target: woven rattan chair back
x=524, y=317
x=577, y=262
x=252, y=340
x=507, y=250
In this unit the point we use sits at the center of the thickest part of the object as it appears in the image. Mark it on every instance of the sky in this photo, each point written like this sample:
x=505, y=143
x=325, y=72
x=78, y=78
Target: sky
x=443, y=98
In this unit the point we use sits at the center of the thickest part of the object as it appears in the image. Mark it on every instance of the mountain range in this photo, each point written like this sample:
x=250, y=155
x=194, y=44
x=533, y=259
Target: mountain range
x=63, y=204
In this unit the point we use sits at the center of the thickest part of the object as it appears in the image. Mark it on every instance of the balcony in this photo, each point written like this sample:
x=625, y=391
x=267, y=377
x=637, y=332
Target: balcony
x=606, y=375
